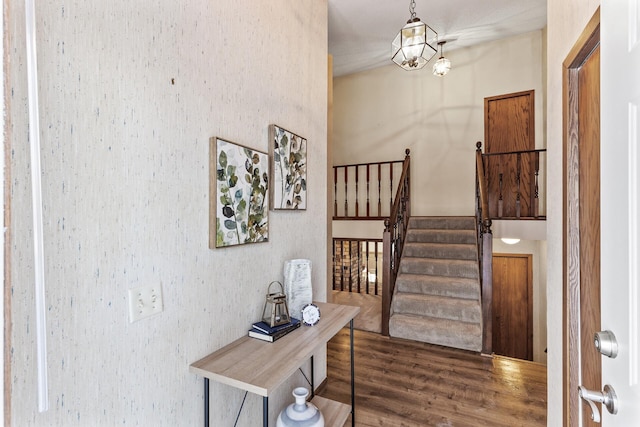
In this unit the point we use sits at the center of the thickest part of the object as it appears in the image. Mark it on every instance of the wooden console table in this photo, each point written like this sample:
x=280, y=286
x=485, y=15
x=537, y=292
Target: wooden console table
x=259, y=367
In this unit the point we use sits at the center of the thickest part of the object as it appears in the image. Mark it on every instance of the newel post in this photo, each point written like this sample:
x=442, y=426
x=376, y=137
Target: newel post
x=386, y=277
x=407, y=159
x=487, y=287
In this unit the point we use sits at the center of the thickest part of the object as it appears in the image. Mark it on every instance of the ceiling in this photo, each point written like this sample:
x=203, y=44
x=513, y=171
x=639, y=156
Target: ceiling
x=361, y=31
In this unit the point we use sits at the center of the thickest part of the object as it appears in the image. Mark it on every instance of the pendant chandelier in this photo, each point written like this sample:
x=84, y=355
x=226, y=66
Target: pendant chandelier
x=442, y=65
x=413, y=47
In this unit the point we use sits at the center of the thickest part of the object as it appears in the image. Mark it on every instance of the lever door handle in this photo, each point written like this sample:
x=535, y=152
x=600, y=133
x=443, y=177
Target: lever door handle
x=607, y=397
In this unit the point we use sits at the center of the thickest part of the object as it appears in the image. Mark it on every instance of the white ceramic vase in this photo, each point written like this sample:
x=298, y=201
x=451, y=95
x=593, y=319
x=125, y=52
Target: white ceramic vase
x=300, y=413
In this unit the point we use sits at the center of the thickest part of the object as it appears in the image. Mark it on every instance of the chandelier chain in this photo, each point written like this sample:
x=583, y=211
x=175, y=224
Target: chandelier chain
x=412, y=8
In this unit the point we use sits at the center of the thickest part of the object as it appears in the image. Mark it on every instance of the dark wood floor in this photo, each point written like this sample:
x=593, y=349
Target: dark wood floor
x=406, y=383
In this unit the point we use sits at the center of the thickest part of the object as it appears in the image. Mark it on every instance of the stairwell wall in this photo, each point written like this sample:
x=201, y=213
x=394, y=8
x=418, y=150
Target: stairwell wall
x=378, y=113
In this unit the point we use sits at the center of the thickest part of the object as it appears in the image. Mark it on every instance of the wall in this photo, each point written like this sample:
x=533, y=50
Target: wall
x=130, y=93
x=2, y=241
x=378, y=113
x=565, y=21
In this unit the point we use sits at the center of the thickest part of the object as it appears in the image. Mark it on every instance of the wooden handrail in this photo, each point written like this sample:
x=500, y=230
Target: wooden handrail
x=539, y=150
x=398, y=200
x=388, y=162
x=367, y=218
x=393, y=240
x=481, y=181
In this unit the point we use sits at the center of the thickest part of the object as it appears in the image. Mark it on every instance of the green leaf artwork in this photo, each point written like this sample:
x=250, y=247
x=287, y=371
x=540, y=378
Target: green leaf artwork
x=241, y=195
x=289, y=169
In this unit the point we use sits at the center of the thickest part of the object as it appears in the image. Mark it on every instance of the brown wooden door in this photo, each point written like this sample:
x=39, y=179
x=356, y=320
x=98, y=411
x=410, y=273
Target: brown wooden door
x=513, y=305
x=509, y=126
x=581, y=292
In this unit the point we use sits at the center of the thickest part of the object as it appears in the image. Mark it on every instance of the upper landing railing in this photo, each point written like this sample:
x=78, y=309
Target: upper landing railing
x=515, y=183
x=372, y=191
x=365, y=191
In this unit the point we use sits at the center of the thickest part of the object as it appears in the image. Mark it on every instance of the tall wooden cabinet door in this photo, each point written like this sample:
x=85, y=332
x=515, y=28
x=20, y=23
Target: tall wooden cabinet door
x=509, y=126
x=513, y=305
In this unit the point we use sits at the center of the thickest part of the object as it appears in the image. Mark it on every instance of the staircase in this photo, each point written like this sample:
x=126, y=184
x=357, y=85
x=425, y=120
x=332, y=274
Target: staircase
x=437, y=293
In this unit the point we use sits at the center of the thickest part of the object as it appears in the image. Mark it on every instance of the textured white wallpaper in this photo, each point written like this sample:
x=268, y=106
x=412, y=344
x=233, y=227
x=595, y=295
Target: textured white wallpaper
x=3, y=357
x=130, y=93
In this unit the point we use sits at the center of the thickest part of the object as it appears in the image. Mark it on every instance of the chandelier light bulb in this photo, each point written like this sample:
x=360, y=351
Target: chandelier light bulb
x=442, y=65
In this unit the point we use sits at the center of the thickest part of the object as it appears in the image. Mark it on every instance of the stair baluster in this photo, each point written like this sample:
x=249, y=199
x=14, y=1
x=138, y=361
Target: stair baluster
x=346, y=191
x=518, y=175
x=335, y=192
x=368, y=178
x=535, y=191
x=379, y=190
x=500, y=201
x=356, y=195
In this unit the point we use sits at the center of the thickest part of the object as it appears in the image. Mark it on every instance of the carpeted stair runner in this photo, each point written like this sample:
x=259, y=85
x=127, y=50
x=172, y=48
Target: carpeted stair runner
x=437, y=294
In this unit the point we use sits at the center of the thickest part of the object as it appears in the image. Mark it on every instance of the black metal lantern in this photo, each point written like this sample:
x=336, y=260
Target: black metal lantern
x=275, y=310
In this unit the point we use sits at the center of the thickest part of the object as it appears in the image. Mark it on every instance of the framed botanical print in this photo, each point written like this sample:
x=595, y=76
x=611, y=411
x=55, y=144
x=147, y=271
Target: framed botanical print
x=238, y=194
x=288, y=169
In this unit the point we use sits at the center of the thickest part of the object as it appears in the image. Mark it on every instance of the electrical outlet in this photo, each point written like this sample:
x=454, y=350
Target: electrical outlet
x=144, y=301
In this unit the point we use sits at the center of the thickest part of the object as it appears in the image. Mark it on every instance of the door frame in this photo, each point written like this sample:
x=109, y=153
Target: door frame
x=585, y=44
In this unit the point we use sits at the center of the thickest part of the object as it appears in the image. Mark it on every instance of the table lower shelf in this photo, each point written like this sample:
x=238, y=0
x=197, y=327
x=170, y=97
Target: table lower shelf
x=260, y=367
x=335, y=413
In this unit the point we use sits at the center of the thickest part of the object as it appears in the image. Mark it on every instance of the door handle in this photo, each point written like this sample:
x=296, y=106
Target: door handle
x=607, y=397
x=606, y=343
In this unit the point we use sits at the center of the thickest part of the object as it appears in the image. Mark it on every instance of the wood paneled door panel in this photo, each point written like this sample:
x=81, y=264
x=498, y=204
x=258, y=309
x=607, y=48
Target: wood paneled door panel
x=512, y=320
x=508, y=127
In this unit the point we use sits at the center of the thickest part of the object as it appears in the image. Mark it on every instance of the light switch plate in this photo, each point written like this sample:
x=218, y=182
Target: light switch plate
x=144, y=301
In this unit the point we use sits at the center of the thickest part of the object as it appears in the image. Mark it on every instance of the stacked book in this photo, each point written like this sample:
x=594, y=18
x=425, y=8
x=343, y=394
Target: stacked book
x=263, y=331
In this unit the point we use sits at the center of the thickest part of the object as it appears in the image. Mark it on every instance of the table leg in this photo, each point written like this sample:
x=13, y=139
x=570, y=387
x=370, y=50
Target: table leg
x=353, y=371
x=206, y=402
x=265, y=411
x=313, y=387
